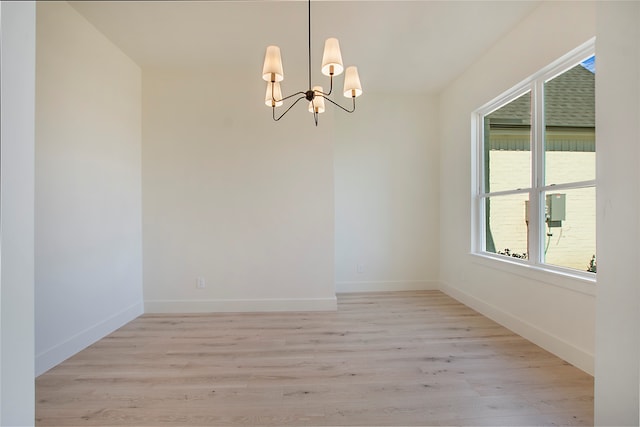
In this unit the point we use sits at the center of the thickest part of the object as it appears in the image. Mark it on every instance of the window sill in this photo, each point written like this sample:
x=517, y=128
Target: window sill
x=583, y=283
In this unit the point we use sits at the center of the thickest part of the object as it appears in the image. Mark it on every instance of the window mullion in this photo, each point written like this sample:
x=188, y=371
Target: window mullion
x=536, y=211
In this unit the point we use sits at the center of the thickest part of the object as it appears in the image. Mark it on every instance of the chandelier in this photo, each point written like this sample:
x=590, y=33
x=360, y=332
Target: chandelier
x=331, y=66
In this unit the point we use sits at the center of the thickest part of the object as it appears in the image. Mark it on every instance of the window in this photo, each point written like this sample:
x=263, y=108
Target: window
x=535, y=186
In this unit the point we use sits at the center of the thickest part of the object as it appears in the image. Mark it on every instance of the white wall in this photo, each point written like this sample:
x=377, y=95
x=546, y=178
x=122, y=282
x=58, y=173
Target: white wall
x=16, y=214
x=618, y=210
x=233, y=197
x=88, y=186
x=557, y=314
x=386, y=184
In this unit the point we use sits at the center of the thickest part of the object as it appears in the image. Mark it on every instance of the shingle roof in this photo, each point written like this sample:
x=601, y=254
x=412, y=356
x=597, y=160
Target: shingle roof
x=570, y=99
x=569, y=108
x=517, y=112
x=569, y=102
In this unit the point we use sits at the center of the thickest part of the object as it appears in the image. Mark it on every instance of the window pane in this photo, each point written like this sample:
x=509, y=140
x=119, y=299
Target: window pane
x=569, y=103
x=570, y=239
x=506, y=227
x=507, y=146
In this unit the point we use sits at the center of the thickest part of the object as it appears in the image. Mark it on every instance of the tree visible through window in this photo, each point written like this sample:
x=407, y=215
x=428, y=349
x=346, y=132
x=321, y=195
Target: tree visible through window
x=536, y=163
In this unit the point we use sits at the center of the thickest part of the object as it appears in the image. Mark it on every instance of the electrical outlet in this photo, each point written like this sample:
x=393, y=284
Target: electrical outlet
x=360, y=268
x=200, y=283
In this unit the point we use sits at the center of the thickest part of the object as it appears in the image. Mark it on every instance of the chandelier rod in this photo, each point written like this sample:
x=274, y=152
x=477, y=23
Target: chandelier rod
x=309, y=9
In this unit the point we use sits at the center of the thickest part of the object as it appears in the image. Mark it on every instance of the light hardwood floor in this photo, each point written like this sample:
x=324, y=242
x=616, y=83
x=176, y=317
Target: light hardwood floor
x=402, y=358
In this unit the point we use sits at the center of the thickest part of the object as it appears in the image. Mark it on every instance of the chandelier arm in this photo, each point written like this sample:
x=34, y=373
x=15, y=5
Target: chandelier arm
x=285, y=111
x=338, y=105
x=330, y=87
x=287, y=97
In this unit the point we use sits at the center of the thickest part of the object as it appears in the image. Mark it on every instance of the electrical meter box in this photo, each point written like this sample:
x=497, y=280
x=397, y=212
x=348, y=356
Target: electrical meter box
x=555, y=209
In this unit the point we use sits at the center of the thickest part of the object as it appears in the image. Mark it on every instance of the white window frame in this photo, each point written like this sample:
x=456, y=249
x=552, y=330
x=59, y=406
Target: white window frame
x=533, y=264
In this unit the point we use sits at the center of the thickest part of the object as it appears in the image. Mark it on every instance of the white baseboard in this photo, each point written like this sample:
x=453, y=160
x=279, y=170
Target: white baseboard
x=387, y=286
x=60, y=352
x=240, y=305
x=561, y=348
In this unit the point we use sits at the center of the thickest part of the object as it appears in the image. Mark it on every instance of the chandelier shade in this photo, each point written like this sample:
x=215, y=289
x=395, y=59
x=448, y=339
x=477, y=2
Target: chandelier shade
x=332, y=58
x=273, y=97
x=352, y=86
x=273, y=74
x=272, y=69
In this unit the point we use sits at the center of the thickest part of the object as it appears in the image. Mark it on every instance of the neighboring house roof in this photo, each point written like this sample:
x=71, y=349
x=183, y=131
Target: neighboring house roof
x=569, y=115
x=570, y=99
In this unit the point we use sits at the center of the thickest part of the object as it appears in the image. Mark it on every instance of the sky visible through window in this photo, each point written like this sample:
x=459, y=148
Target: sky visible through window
x=590, y=64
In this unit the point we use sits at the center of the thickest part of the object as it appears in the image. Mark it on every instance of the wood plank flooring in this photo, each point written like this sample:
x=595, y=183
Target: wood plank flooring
x=401, y=358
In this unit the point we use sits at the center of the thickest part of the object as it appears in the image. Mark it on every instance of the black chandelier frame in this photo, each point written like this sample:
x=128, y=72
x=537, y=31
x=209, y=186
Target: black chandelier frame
x=310, y=94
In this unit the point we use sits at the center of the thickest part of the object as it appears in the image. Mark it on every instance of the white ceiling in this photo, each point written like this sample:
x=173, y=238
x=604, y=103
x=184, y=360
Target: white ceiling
x=398, y=46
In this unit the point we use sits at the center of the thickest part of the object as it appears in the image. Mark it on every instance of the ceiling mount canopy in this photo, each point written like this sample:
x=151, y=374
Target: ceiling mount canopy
x=273, y=73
